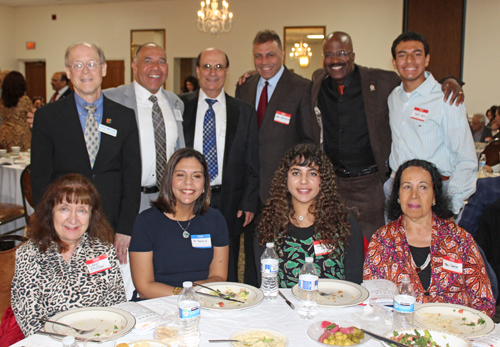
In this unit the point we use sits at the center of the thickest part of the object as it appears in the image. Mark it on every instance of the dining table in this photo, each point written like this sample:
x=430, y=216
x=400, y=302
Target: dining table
x=221, y=324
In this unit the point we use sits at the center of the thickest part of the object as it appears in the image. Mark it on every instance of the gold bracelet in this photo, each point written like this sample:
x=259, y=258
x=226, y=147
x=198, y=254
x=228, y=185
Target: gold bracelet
x=177, y=291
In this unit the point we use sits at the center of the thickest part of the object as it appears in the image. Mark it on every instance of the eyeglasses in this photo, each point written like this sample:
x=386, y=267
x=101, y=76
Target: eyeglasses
x=339, y=54
x=91, y=65
x=208, y=67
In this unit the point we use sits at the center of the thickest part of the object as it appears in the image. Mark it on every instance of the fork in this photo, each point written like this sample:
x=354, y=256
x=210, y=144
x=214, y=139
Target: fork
x=79, y=331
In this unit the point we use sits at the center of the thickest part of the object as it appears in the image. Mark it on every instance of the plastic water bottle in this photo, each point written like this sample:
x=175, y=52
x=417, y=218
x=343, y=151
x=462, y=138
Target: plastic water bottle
x=189, y=314
x=482, y=166
x=269, y=270
x=308, y=290
x=69, y=341
x=404, y=305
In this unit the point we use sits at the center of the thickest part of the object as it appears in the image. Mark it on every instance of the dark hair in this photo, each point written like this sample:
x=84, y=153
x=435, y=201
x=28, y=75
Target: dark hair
x=73, y=188
x=13, y=88
x=166, y=200
x=409, y=36
x=199, y=58
x=194, y=82
x=64, y=78
x=264, y=36
x=442, y=206
x=330, y=215
x=493, y=111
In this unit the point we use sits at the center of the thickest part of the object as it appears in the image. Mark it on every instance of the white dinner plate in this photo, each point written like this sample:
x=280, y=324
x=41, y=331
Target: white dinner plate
x=108, y=322
x=315, y=331
x=440, y=337
x=151, y=343
x=345, y=293
x=255, y=296
x=254, y=335
x=456, y=319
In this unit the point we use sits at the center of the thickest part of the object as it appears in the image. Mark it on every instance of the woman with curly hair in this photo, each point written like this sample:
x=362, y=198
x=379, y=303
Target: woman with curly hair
x=442, y=259
x=14, y=106
x=304, y=217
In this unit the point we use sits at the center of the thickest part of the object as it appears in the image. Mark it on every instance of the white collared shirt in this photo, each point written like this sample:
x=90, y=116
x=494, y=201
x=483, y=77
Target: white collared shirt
x=147, y=132
x=273, y=81
x=61, y=92
x=220, y=129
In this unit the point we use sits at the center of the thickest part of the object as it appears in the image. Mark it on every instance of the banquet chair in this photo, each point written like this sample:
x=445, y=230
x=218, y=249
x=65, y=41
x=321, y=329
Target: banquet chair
x=26, y=191
x=10, y=213
x=492, y=153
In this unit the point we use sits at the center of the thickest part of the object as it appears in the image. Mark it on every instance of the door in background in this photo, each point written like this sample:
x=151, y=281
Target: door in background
x=35, y=79
x=115, y=75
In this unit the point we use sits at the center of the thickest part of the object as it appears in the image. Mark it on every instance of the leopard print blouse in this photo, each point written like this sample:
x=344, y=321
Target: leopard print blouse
x=45, y=284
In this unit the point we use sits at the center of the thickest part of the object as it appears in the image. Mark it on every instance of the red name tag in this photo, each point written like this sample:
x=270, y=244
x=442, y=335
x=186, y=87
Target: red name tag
x=98, y=264
x=452, y=265
x=282, y=117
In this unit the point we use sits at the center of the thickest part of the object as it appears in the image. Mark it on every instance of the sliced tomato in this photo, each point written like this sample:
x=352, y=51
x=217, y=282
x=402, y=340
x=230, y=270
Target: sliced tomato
x=221, y=304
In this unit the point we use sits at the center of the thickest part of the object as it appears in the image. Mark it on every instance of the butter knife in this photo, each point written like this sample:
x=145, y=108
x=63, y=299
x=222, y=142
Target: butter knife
x=220, y=297
x=384, y=339
x=286, y=300
x=63, y=336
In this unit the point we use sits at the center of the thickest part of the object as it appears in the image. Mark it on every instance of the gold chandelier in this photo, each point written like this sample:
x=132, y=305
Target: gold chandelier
x=213, y=20
x=302, y=52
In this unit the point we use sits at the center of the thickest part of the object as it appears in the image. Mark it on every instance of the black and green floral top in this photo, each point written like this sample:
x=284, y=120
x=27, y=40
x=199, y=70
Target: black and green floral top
x=346, y=264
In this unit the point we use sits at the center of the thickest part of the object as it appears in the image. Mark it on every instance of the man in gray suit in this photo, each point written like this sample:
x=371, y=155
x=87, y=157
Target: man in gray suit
x=150, y=68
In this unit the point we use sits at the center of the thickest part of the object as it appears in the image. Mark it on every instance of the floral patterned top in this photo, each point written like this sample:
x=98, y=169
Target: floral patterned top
x=45, y=284
x=389, y=257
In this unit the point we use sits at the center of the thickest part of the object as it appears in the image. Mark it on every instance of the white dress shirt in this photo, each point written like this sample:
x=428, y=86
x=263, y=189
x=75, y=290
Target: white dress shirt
x=147, y=132
x=61, y=92
x=220, y=129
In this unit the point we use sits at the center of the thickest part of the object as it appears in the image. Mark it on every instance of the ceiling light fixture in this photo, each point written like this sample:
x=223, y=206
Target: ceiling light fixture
x=212, y=20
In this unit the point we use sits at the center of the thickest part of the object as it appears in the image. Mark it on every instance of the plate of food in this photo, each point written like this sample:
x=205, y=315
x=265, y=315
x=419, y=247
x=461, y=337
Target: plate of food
x=107, y=322
x=423, y=337
x=341, y=293
x=209, y=299
x=328, y=333
x=456, y=319
x=259, y=338
x=144, y=343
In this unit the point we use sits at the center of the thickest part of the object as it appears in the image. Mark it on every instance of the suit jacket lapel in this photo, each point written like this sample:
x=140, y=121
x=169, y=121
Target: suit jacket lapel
x=280, y=92
x=232, y=116
x=107, y=141
x=75, y=128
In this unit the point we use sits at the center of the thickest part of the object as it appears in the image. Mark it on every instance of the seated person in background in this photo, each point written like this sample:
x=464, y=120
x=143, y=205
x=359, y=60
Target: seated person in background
x=67, y=230
x=180, y=238
x=441, y=258
x=190, y=84
x=490, y=115
x=38, y=102
x=305, y=218
x=480, y=133
x=495, y=124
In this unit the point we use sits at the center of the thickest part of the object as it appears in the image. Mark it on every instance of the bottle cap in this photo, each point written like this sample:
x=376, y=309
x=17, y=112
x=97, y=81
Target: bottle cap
x=309, y=259
x=270, y=245
x=68, y=340
x=187, y=284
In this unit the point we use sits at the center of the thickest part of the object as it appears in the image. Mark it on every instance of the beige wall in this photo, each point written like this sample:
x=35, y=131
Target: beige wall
x=7, y=38
x=372, y=24
x=482, y=55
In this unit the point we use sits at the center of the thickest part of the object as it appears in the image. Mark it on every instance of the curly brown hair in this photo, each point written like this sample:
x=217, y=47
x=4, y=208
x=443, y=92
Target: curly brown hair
x=330, y=215
x=73, y=188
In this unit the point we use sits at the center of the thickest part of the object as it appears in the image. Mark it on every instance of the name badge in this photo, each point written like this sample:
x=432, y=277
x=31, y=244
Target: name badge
x=107, y=130
x=452, y=265
x=98, y=264
x=419, y=114
x=282, y=117
x=178, y=115
x=201, y=241
x=319, y=248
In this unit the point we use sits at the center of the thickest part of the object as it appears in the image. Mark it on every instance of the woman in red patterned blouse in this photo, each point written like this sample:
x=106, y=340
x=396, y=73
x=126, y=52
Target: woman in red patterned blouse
x=442, y=259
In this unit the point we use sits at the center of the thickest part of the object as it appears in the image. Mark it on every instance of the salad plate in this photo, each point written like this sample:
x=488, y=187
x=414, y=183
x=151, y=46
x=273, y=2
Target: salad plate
x=109, y=323
x=344, y=293
x=441, y=338
x=250, y=296
x=316, y=330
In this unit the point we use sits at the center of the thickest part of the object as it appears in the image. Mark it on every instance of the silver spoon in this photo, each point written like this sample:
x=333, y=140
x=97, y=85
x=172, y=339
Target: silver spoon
x=79, y=331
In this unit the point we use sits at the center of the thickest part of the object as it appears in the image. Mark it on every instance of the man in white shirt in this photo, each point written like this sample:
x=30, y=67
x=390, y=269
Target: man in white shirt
x=213, y=117
x=150, y=69
x=59, y=82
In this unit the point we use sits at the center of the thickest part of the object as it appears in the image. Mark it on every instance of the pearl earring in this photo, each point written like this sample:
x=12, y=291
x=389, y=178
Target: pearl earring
x=399, y=201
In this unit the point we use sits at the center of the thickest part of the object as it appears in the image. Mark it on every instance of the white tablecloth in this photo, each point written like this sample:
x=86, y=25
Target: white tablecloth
x=275, y=315
x=10, y=192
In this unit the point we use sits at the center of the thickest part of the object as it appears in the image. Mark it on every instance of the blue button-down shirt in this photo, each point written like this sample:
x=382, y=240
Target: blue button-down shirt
x=443, y=138
x=273, y=81
x=82, y=113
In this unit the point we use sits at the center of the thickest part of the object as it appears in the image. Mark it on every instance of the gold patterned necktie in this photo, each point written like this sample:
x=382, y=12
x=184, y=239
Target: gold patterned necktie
x=91, y=134
x=160, y=139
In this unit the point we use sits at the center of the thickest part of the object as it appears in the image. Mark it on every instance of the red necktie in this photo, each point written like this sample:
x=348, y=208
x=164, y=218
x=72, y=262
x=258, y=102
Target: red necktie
x=54, y=98
x=340, y=89
x=261, y=109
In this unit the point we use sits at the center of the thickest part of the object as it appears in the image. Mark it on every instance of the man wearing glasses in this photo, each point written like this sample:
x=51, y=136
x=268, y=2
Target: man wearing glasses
x=350, y=102
x=89, y=134
x=224, y=129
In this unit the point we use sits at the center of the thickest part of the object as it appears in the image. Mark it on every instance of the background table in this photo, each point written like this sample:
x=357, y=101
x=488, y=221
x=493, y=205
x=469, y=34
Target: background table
x=275, y=315
x=10, y=192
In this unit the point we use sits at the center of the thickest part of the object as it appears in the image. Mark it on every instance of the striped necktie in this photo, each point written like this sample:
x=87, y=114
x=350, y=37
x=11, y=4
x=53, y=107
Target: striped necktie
x=160, y=139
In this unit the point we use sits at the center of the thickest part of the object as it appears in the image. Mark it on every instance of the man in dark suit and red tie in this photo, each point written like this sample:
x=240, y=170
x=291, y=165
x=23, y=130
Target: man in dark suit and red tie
x=89, y=134
x=59, y=83
x=283, y=103
x=224, y=129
